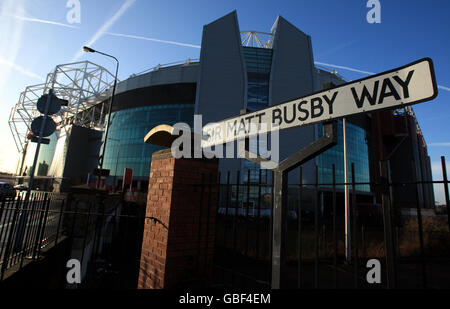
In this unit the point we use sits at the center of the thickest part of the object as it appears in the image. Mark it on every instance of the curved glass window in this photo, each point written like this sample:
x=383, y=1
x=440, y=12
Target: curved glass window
x=126, y=148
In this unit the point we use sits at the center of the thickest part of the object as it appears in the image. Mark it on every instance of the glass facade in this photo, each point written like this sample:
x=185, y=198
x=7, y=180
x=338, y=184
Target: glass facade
x=45, y=157
x=258, y=62
x=357, y=153
x=126, y=148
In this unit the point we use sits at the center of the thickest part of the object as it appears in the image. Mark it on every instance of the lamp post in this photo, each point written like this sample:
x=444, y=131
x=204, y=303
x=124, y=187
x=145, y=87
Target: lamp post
x=117, y=160
x=90, y=50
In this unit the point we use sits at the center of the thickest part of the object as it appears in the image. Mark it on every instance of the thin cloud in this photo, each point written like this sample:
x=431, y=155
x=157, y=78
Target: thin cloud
x=361, y=71
x=439, y=145
x=152, y=39
x=336, y=49
x=10, y=36
x=108, y=24
x=21, y=69
x=343, y=68
x=43, y=21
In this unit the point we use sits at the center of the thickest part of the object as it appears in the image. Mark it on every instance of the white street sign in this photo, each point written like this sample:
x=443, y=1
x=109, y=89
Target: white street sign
x=410, y=84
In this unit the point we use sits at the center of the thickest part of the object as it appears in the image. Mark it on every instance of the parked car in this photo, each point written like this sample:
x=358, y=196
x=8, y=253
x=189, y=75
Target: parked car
x=6, y=190
x=21, y=187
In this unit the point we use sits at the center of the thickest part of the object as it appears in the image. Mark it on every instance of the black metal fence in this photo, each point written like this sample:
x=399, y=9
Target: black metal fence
x=102, y=232
x=105, y=235
x=27, y=227
x=412, y=244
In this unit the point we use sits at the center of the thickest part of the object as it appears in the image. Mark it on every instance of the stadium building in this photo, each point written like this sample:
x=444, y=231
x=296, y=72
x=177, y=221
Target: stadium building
x=238, y=71
x=161, y=95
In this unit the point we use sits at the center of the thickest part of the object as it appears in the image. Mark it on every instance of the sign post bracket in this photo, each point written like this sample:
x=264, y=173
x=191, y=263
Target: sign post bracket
x=328, y=140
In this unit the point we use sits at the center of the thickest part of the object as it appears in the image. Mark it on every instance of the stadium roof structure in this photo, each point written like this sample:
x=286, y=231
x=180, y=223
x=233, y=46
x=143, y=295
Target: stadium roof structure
x=83, y=85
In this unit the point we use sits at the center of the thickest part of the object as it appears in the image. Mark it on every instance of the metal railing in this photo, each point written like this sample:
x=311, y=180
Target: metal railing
x=106, y=236
x=29, y=226
x=102, y=232
x=412, y=247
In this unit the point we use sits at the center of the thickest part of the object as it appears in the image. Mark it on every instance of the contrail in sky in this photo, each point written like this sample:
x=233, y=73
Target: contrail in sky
x=108, y=24
x=343, y=68
x=198, y=46
x=43, y=21
x=152, y=39
x=363, y=72
x=336, y=49
x=104, y=30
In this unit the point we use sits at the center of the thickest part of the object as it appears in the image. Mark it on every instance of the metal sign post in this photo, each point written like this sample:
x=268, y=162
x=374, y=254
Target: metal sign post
x=348, y=242
x=328, y=140
x=279, y=225
x=52, y=105
x=41, y=125
x=407, y=85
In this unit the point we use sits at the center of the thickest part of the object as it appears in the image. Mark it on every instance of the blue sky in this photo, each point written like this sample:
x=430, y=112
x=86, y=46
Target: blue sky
x=36, y=36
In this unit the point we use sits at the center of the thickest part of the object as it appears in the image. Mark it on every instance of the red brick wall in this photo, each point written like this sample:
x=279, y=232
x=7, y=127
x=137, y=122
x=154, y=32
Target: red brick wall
x=178, y=244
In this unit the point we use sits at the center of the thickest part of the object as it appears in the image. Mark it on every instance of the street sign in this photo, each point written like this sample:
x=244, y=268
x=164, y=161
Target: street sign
x=101, y=172
x=54, y=107
x=45, y=141
x=34, y=139
x=128, y=176
x=407, y=85
x=50, y=126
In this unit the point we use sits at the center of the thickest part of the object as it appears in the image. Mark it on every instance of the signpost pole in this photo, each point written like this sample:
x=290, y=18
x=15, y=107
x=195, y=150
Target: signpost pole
x=328, y=140
x=407, y=85
x=38, y=147
x=23, y=216
x=348, y=248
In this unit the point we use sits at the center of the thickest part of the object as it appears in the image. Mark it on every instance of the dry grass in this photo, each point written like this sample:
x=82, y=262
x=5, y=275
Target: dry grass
x=435, y=236
x=435, y=232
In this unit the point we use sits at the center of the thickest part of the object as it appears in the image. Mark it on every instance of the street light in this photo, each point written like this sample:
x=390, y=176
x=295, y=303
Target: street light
x=117, y=159
x=90, y=50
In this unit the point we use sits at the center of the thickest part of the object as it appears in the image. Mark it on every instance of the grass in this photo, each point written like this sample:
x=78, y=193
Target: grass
x=436, y=237
x=370, y=240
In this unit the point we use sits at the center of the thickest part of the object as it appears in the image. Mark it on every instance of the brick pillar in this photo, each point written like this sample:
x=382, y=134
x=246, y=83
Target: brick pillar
x=178, y=243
